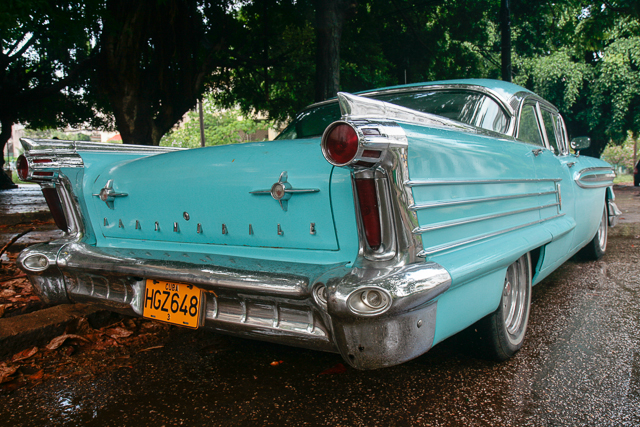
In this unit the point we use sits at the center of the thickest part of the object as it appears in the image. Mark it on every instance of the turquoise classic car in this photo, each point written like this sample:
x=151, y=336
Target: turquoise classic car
x=376, y=225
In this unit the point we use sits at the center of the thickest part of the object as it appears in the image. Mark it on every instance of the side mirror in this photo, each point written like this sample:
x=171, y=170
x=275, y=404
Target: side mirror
x=580, y=143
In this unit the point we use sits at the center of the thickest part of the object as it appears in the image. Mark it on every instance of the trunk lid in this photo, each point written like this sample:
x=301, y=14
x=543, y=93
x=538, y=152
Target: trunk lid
x=219, y=196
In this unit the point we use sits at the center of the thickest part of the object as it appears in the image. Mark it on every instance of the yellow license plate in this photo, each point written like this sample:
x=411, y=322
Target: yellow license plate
x=176, y=303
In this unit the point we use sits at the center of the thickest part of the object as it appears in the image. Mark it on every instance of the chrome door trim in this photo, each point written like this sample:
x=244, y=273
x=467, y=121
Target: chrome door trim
x=447, y=246
x=447, y=224
x=458, y=202
x=421, y=183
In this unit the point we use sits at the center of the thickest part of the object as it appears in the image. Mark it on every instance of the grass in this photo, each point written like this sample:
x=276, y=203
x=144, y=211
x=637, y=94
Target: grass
x=16, y=180
x=623, y=179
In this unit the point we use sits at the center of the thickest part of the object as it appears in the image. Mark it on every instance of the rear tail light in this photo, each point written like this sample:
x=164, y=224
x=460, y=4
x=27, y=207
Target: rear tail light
x=340, y=144
x=55, y=206
x=22, y=167
x=368, y=200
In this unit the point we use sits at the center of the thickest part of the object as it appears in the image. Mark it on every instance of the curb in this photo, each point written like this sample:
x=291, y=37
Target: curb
x=39, y=327
x=25, y=217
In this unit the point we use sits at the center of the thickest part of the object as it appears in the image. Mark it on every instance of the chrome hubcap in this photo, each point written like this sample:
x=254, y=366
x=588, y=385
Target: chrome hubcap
x=515, y=299
x=602, y=231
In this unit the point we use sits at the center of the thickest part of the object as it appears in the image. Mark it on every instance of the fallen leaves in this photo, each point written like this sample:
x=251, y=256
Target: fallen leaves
x=116, y=333
x=17, y=296
x=339, y=368
x=82, y=351
x=6, y=372
x=25, y=354
x=58, y=341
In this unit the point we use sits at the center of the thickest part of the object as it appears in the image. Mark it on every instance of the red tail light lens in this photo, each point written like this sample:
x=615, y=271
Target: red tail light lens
x=55, y=206
x=368, y=200
x=341, y=144
x=22, y=167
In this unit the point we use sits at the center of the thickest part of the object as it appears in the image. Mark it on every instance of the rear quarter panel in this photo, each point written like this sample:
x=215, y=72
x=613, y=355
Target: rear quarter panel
x=480, y=207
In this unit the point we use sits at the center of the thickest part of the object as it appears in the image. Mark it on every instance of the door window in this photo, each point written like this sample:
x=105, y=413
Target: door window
x=528, y=129
x=552, y=125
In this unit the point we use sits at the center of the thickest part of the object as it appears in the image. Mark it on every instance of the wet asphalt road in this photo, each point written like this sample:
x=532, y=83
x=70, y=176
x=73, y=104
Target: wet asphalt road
x=580, y=365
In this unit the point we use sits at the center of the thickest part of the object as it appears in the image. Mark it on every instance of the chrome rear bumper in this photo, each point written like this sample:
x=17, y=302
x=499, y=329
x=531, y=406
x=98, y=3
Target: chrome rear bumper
x=267, y=300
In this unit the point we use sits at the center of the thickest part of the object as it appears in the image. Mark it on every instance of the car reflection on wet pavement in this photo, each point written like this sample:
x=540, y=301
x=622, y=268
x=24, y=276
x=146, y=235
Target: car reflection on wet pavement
x=580, y=365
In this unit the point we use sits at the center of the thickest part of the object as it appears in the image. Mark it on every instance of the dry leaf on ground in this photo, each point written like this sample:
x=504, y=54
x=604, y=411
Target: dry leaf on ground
x=24, y=354
x=118, y=332
x=58, y=341
x=339, y=368
x=6, y=372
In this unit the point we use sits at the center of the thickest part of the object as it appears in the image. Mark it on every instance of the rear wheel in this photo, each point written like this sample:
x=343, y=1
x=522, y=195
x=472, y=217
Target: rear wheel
x=504, y=329
x=596, y=248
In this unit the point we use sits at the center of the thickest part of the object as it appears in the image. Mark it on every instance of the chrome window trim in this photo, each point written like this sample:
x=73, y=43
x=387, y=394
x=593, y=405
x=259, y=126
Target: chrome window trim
x=448, y=224
x=45, y=146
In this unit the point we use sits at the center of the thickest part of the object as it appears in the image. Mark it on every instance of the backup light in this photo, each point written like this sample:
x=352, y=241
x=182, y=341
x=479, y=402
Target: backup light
x=369, y=301
x=36, y=262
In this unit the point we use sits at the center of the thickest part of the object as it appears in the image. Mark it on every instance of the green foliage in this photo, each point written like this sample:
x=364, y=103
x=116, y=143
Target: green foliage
x=275, y=67
x=615, y=99
x=220, y=127
x=556, y=77
x=620, y=155
x=46, y=46
x=584, y=58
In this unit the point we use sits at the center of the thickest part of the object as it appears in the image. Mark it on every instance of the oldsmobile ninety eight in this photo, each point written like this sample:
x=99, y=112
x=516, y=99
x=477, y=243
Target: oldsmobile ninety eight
x=376, y=225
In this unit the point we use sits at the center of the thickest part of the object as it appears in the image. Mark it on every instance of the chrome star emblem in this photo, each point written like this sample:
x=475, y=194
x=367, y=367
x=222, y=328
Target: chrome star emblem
x=107, y=194
x=282, y=191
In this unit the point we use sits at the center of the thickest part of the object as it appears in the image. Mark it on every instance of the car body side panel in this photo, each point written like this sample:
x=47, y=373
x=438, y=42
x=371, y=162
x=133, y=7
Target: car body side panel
x=477, y=203
x=589, y=200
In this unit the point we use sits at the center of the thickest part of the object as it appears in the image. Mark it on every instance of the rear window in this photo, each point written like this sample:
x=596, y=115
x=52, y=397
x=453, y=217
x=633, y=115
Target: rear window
x=472, y=108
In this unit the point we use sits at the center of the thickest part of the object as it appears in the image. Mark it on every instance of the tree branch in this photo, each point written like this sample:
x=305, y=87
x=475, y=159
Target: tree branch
x=24, y=47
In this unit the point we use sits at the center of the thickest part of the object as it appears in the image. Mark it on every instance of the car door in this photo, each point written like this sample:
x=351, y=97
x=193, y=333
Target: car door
x=540, y=126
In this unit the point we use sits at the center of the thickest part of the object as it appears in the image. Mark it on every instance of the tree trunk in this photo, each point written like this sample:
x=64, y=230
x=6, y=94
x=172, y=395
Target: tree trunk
x=634, y=136
x=505, y=30
x=155, y=55
x=5, y=182
x=330, y=18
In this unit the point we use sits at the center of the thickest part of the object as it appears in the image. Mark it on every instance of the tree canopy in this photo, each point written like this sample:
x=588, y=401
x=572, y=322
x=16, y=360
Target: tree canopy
x=146, y=63
x=46, y=48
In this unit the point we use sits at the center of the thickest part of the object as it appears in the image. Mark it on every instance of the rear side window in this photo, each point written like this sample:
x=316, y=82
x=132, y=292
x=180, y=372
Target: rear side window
x=473, y=108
